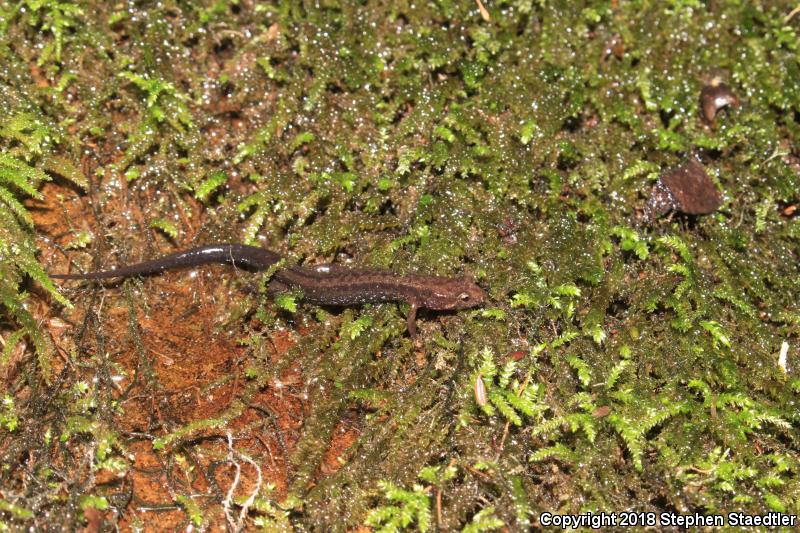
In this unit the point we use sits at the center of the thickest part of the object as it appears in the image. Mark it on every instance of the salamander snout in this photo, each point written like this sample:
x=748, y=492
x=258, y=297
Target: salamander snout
x=472, y=296
x=459, y=294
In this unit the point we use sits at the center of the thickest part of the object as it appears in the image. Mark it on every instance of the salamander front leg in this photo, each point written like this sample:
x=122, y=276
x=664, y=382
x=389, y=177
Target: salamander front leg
x=412, y=319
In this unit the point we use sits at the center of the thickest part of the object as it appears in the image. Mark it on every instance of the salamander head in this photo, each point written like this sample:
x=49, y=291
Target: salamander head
x=448, y=293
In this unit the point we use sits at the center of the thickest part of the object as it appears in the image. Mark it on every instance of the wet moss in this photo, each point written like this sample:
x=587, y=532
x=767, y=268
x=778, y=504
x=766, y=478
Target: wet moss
x=417, y=138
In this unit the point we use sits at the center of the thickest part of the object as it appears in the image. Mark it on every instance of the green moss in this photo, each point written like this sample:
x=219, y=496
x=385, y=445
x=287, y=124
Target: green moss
x=421, y=138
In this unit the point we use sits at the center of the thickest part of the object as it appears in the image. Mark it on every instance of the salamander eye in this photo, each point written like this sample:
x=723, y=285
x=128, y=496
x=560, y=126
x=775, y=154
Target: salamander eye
x=464, y=297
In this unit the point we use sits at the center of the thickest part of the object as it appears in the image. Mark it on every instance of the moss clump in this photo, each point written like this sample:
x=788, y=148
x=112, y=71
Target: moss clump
x=627, y=366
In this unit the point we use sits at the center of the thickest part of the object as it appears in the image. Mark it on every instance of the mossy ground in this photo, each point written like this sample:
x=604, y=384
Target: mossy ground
x=626, y=366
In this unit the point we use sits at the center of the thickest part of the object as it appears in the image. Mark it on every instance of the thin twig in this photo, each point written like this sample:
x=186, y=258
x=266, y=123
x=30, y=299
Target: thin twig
x=508, y=424
x=484, y=13
x=792, y=13
x=226, y=503
x=246, y=505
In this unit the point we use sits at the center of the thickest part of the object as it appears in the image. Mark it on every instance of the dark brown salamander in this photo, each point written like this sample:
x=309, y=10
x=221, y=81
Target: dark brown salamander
x=321, y=284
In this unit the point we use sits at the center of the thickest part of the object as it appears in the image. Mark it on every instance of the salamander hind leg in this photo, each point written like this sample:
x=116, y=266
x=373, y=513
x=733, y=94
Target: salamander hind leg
x=277, y=287
x=412, y=319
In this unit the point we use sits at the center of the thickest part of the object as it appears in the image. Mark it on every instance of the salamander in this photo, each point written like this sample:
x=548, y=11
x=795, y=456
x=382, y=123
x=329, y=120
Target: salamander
x=326, y=284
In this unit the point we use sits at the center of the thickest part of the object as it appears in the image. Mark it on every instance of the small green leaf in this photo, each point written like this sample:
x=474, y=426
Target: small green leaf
x=494, y=312
x=301, y=139
x=15, y=510
x=528, y=131
x=718, y=334
x=191, y=507
x=95, y=502
x=80, y=240
x=286, y=301
x=484, y=520
x=444, y=133
x=209, y=185
x=166, y=226
x=132, y=173
x=582, y=368
x=355, y=328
